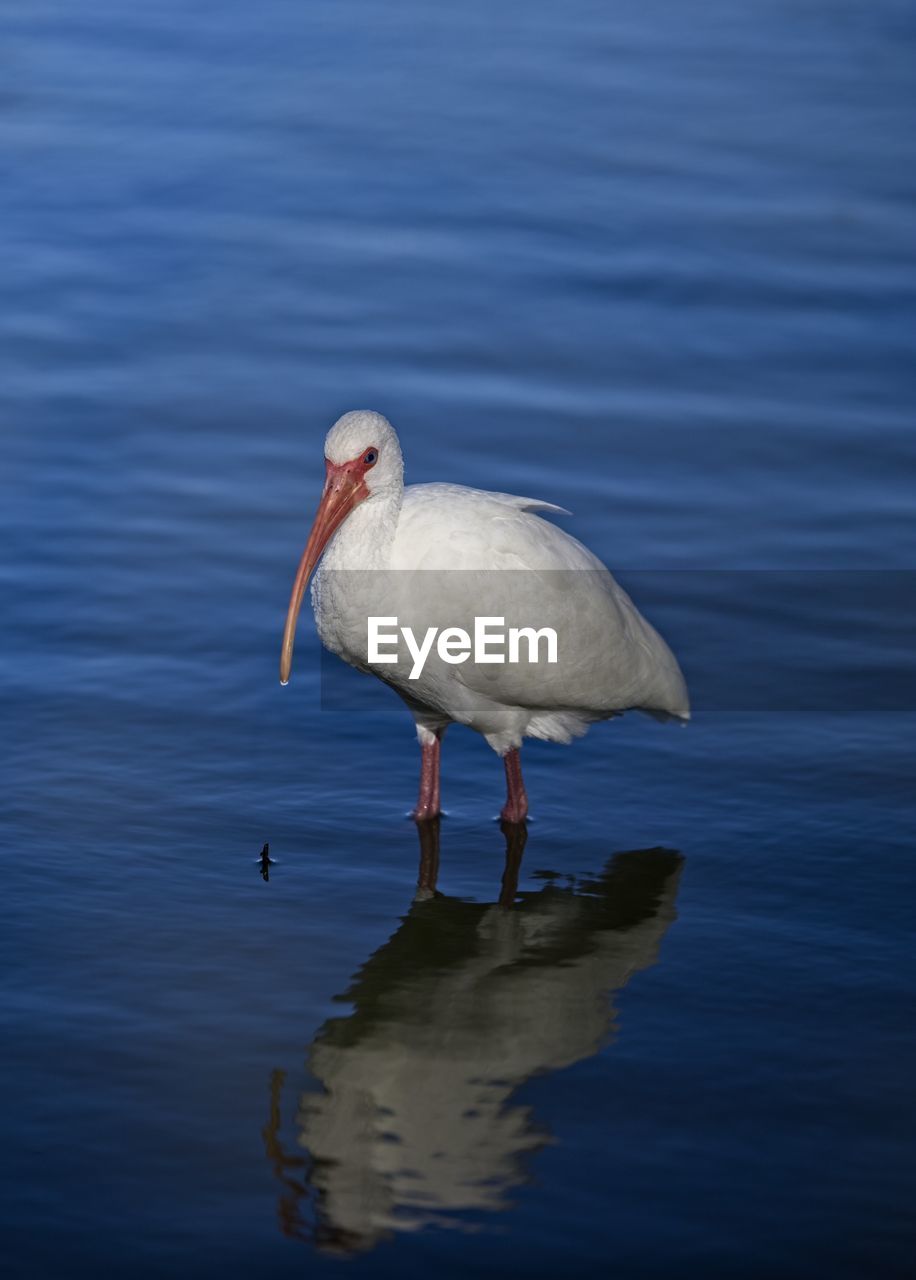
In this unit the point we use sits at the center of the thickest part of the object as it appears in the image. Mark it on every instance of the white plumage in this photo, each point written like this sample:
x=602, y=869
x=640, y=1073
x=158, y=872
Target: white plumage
x=440, y=555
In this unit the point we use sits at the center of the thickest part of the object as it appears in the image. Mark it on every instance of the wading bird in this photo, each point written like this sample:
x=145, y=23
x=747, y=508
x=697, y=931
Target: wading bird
x=441, y=555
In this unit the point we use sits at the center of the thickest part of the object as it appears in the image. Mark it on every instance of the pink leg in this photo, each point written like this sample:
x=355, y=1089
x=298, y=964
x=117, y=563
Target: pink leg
x=428, y=799
x=516, y=807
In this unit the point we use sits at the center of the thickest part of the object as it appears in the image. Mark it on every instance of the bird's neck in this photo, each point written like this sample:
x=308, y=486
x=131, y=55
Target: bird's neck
x=366, y=537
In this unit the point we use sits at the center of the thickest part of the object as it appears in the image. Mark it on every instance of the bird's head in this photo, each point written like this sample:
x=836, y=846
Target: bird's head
x=362, y=460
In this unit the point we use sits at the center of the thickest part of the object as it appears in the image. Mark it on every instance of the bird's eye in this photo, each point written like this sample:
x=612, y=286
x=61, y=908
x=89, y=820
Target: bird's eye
x=370, y=457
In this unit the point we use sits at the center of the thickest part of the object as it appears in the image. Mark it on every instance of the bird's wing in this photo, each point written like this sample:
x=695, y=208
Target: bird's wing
x=526, y=504
x=448, y=526
x=492, y=557
x=452, y=497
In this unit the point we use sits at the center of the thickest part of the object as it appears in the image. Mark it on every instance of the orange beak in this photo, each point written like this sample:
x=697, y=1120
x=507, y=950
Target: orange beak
x=344, y=488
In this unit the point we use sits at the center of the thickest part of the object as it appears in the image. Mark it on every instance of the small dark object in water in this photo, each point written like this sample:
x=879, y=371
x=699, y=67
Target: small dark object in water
x=265, y=862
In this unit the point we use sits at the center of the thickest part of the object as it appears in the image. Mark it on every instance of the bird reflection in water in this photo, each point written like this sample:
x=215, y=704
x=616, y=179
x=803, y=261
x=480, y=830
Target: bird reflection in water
x=415, y=1125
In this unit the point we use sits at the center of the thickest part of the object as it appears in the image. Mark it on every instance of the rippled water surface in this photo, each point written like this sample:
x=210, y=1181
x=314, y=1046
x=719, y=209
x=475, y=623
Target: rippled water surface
x=654, y=262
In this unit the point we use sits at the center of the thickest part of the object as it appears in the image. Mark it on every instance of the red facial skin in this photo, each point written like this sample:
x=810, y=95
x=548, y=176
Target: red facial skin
x=344, y=488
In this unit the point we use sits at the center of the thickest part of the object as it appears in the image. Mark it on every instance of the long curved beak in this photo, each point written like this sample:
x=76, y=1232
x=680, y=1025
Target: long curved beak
x=344, y=489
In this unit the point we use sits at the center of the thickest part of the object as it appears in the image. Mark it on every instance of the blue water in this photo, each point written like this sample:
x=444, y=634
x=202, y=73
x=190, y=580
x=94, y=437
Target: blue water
x=654, y=262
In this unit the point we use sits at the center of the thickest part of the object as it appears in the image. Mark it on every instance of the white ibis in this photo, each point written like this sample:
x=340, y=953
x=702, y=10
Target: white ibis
x=446, y=555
